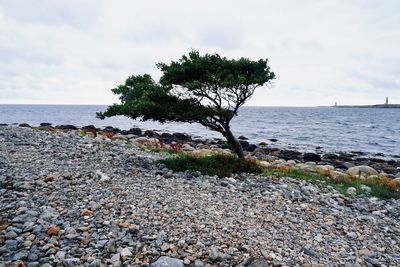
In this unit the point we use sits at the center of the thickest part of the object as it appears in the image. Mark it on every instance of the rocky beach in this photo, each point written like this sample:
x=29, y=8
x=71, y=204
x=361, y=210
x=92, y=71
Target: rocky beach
x=74, y=197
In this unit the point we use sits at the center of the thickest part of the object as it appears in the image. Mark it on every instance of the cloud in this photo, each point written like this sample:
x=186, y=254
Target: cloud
x=322, y=52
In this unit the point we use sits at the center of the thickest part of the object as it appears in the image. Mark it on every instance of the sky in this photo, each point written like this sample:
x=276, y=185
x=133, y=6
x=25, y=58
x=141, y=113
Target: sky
x=322, y=52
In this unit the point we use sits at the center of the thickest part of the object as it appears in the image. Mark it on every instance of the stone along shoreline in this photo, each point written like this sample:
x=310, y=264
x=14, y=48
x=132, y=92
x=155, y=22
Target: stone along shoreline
x=74, y=200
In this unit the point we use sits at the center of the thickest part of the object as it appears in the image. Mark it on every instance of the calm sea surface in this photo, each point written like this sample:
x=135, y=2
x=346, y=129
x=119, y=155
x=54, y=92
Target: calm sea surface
x=342, y=129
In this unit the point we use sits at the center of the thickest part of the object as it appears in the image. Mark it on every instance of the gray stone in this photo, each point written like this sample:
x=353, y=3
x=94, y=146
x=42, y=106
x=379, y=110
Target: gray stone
x=11, y=244
x=95, y=263
x=111, y=247
x=348, y=165
x=167, y=262
x=258, y=263
x=102, y=176
x=352, y=235
x=71, y=261
x=44, y=260
x=32, y=257
x=21, y=255
x=11, y=235
x=198, y=263
x=116, y=258
x=310, y=251
x=49, y=214
x=100, y=244
x=213, y=253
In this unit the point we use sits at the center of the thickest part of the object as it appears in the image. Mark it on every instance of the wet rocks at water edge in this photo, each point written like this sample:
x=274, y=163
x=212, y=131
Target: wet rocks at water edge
x=69, y=199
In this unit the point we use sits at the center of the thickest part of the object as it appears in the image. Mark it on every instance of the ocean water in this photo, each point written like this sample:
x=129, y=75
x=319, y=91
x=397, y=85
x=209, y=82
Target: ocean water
x=303, y=128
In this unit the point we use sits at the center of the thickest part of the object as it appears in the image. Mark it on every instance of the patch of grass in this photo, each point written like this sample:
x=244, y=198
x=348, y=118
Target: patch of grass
x=162, y=150
x=382, y=187
x=219, y=164
x=293, y=173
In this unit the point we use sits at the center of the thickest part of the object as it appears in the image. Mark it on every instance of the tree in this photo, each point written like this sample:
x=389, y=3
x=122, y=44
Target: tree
x=206, y=89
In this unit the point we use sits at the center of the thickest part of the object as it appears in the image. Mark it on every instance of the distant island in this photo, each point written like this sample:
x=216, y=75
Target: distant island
x=386, y=105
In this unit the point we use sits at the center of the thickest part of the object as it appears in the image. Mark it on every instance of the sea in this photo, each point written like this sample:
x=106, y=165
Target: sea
x=374, y=131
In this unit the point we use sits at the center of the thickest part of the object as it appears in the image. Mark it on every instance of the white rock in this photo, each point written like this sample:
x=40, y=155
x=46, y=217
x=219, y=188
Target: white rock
x=351, y=191
x=141, y=140
x=231, y=180
x=125, y=253
x=60, y=255
x=361, y=170
x=187, y=147
x=365, y=188
x=102, y=176
x=167, y=262
x=325, y=168
x=265, y=164
x=116, y=258
x=319, y=238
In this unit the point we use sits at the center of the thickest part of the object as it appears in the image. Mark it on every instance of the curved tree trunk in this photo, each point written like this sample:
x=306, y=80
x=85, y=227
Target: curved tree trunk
x=233, y=142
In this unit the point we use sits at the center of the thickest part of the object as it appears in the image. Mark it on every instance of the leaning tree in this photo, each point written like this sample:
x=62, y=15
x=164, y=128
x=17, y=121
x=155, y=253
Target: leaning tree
x=206, y=89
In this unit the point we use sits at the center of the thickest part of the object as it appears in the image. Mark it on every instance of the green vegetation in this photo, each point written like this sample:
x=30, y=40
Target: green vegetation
x=219, y=164
x=206, y=89
x=381, y=187
x=160, y=150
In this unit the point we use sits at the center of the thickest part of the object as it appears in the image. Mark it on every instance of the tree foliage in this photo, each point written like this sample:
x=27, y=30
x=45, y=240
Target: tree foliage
x=206, y=89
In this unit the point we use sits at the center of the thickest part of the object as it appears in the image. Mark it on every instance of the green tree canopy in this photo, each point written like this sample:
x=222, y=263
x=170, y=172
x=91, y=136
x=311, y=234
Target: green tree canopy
x=206, y=89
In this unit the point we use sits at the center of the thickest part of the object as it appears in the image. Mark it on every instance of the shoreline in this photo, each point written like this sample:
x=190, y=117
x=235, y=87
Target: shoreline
x=342, y=160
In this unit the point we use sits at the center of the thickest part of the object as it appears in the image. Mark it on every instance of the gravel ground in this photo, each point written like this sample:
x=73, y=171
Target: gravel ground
x=67, y=200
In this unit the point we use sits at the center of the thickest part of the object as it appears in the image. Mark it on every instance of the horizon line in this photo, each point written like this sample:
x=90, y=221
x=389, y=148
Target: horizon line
x=69, y=104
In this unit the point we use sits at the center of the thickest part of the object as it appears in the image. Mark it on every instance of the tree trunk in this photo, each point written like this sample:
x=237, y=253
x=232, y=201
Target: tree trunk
x=233, y=142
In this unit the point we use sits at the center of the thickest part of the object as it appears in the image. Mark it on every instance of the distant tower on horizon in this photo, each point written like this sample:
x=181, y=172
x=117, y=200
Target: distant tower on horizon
x=335, y=104
x=387, y=101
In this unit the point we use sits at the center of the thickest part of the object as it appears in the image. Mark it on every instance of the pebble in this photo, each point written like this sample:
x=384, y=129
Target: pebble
x=167, y=262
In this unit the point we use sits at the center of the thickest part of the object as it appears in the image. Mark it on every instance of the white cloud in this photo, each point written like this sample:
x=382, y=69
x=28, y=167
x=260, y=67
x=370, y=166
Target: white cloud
x=321, y=51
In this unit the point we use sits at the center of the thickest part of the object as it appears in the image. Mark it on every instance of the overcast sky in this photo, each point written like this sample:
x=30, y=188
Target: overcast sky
x=322, y=52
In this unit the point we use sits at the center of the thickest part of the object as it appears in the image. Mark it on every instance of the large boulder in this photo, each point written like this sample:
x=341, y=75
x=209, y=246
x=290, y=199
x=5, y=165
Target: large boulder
x=149, y=133
x=166, y=136
x=89, y=128
x=289, y=154
x=141, y=140
x=181, y=136
x=244, y=144
x=165, y=261
x=187, y=147
x=24, y=125
x=361, y=171
x=66, y=127
x=311, y=157
x=251, y=147
x=135, y=131
x=111, y=129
